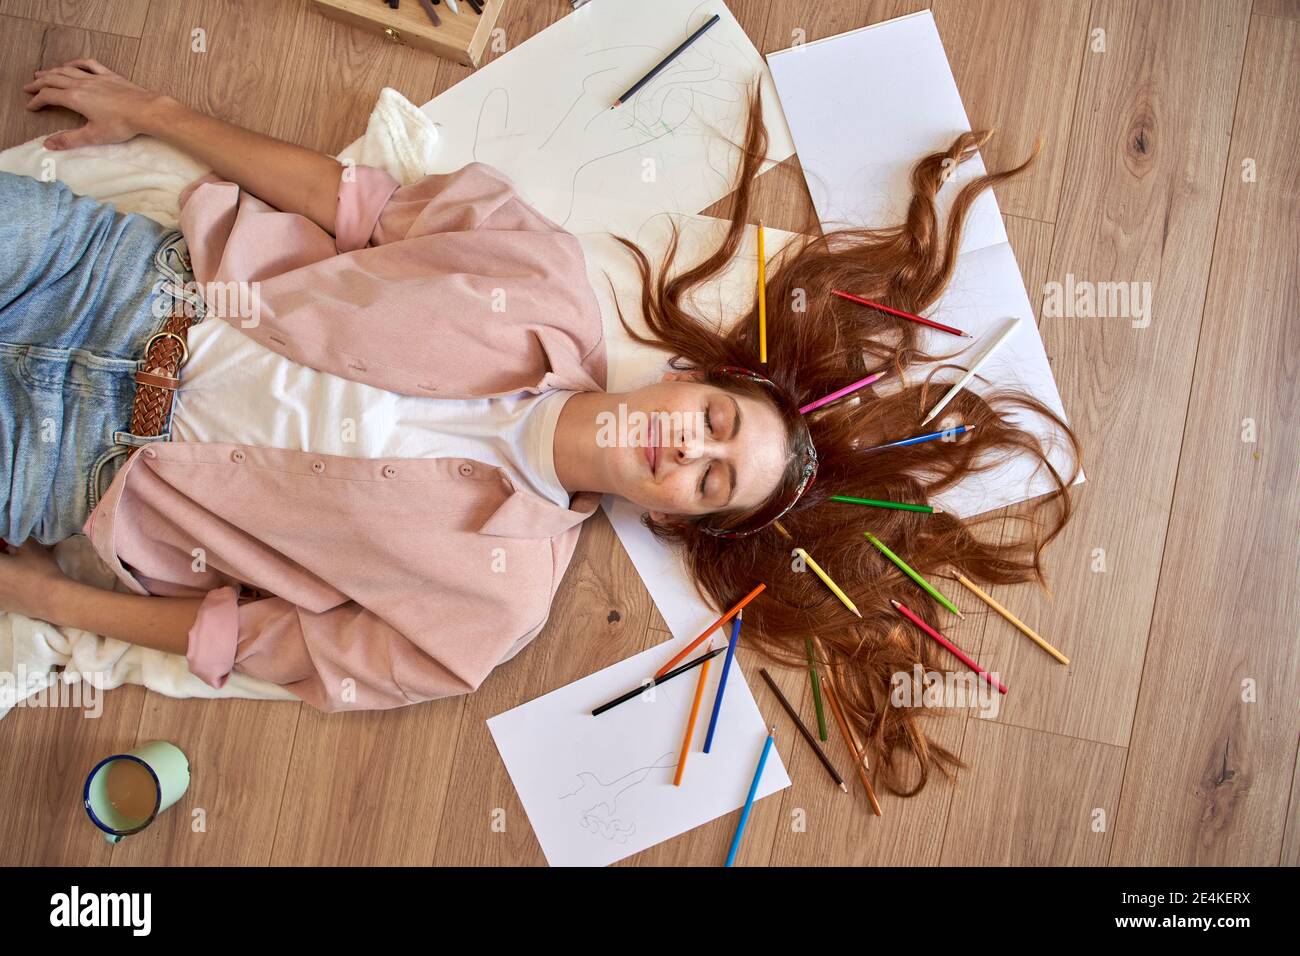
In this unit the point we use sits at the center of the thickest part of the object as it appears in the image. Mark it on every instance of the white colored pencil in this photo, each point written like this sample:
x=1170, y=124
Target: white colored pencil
x=974, y=369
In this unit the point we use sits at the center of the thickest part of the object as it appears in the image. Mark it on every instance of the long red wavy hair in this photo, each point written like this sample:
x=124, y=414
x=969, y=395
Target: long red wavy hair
x=811, y=353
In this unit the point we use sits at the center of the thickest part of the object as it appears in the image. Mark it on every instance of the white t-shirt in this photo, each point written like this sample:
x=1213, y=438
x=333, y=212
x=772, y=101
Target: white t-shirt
x=236, y=390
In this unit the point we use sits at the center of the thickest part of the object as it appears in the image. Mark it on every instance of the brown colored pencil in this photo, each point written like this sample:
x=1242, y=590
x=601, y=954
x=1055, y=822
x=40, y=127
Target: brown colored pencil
x=807, y=734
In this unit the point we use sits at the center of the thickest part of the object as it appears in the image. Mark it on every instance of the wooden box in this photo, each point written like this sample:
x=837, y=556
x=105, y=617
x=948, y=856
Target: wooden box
x=462, y=37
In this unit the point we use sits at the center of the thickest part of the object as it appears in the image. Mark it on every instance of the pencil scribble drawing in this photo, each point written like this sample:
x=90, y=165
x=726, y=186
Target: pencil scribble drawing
x=689, y=99
x=600, y=800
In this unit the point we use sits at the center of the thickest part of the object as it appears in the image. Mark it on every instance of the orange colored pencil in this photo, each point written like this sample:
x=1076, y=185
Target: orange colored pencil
x=709, y=630
x=849, y=742
x=690, y=724
x=821, y=654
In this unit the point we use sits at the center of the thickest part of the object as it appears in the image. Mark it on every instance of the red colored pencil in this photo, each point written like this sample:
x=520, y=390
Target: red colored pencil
x=710, y=629
x=956, y=651
x=902, y=315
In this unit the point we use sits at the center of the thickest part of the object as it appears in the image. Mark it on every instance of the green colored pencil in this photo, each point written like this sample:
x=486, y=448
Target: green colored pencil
x=817, y=690
x=895, y=505
x=902, y=566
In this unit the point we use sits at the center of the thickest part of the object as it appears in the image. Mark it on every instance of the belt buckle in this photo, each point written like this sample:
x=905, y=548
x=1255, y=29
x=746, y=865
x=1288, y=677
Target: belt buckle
x=185, y=349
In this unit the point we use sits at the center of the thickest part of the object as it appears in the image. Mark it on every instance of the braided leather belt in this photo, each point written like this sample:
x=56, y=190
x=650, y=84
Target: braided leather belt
x=157, y=380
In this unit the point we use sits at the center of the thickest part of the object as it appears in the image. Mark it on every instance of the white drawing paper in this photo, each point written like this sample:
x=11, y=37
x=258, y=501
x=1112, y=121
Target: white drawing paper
x=599, y=789
x=541, y=113
x=863, y=107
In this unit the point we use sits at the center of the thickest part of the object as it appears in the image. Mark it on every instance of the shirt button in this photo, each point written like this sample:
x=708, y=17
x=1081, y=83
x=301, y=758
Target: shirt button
x=467, y=469
x=318, y=466
x=150, y=453
x=237, y=456
x=390, y=471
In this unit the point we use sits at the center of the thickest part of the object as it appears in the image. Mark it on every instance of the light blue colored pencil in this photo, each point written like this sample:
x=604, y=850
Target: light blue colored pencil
x=749, y=800
x=722, y=680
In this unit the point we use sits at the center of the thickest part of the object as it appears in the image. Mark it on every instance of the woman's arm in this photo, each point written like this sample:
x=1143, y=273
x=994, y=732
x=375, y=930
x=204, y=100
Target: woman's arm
x=32, y=584
x=290, y=178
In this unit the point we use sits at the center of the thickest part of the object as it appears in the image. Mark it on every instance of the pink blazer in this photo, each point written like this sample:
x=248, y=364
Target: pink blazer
x=369, y=583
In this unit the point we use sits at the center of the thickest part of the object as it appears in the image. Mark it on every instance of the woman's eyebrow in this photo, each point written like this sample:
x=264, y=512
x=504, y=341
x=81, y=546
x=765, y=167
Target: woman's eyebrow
x=735, y=430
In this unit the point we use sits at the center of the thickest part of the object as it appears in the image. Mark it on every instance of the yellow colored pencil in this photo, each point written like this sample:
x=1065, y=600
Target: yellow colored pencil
x=1024, y=628
x=826, y=579
x=690, y=724
x=762, y=297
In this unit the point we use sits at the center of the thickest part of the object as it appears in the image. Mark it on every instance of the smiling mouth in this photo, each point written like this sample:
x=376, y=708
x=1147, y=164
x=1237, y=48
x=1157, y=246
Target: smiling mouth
x=652, y=452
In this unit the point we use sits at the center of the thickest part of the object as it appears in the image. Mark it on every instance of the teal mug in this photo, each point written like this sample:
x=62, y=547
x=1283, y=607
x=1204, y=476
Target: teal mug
x=126, y=792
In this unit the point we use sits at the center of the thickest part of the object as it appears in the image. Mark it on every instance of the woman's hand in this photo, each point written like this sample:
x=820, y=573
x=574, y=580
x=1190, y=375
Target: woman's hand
x=30, y=580
x=290, y=178
x=115, y=108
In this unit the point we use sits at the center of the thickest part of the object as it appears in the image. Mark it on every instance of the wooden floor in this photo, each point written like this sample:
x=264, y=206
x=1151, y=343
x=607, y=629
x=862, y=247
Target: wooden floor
x=1171, y=159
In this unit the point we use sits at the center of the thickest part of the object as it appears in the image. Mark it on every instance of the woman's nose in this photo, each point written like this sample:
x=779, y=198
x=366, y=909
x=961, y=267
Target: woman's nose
x=697, y=446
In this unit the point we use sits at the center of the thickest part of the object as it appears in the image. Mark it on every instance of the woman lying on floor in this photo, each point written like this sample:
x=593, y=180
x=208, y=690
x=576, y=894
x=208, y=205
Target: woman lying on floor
x=361, y=475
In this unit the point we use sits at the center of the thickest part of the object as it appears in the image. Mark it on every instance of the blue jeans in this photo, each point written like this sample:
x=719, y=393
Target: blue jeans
x=82, y=288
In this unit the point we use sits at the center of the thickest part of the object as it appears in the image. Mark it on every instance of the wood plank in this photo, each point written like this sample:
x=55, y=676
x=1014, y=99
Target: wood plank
x=1021, y=81
x=1278, y=8
x=1033, y=799
x=366, y=788
x=789, y=24
x=1291, y=839
x=1210, y=771
x=26, y=46
x=124, y=17
x=1139, y=204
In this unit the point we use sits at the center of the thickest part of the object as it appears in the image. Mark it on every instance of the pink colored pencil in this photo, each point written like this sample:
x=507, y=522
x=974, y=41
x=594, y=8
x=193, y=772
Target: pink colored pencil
x=861, y=383
x=956, y=651
x=902, y=315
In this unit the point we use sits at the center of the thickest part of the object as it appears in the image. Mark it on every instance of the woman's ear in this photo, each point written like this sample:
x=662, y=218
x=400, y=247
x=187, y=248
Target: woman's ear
x=662, y=518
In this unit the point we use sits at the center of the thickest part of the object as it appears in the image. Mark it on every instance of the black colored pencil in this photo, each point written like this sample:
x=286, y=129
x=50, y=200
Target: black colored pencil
x=477, y=5
x=432, y=13
x=658, y=680
x=664, y=62
x=807, y=734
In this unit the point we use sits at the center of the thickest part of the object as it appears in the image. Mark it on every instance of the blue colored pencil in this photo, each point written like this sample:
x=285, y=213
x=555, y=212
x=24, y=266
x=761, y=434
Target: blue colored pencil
x=722, y=681
x=959, y=430
x=749, y=800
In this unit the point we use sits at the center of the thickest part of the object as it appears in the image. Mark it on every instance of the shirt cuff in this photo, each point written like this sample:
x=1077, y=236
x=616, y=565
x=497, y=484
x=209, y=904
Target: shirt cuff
x=363, y=193
x=214, y=637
